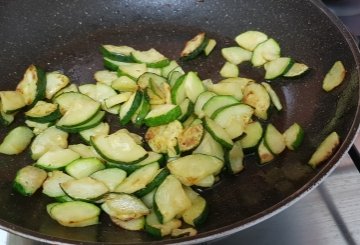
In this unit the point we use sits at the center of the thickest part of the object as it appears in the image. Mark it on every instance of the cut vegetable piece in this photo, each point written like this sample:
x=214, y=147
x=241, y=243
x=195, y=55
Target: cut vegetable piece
x=201, y=101
x=265, y=51
x=274, y=140
x=152, y=58
x=334, y=77
x=234, y=118
x=6, y=119
x=86, y=189
x=183, y=232
x=170, y=199
x=16, y=141
x=197, y=213
x=33, y=85
x=75, y=213
x=113, y=65
x=253, y=134
x=178, y=92
x=264, y=153
x=250, y=39
x=229, y=70
x=187, y=108
x=11, y=101
x=77, y=109
x=56, y=159
x=193, y=86
x=105, y=77
x=166, y=70
x=93, y=122
x=277, y=67
x=43, y=112
x=157, y=229
x=256, y=96
x=210, y=47
x=296, y=69
x=51, y=186
x=117, y=53
x=84, y=167
x=70, y=88
x=162, y=115
x=209, y=146
x=130, y=225
x=294, y=136
x=134, y=71
x=151, y=186
x=111, y=177
x=191, y=169
x=129, y=108
x=173, y=77
x=117, y=99
x=273, y=96
x=50, y=139
x=124, y=84
x=233, y=89
x=190, y=137
x=55, y=81
x=217, y=102
x=218, y=133
x=194, y=47
x=84, y=151
x=124, y=207
x=38, y=127
x=102, y=128
x=118, y=147
x=28, y=180
x=206, y=182
x=235, y=158
x=325, y=150
x=236, y=55
x=139, y=179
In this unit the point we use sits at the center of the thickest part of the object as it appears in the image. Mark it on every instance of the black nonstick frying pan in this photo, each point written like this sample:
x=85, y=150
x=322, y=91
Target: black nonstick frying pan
x=65, y=35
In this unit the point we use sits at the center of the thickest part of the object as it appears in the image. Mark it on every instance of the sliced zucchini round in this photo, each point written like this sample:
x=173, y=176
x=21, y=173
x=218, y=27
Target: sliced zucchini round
x=162, y=115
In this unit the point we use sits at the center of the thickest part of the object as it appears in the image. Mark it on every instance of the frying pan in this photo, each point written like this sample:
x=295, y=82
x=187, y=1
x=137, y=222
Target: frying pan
x=65, y=35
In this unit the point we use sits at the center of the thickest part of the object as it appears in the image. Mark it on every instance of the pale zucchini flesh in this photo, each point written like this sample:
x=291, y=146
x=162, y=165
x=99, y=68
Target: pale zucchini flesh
x=325, y=150
x=28, y=180
x=334, y=77
x=16, y=141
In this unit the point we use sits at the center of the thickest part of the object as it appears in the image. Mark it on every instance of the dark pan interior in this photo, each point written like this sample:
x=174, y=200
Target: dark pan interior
x=65, y=35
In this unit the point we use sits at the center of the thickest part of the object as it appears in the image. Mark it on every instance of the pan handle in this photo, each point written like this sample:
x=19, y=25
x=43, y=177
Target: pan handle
x=355, y=156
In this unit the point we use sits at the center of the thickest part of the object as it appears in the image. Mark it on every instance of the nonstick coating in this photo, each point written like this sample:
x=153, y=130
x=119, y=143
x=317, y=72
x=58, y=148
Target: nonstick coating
x=65, y=35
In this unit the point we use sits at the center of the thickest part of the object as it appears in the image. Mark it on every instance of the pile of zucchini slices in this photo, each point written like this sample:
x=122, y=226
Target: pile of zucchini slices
x=194, y=129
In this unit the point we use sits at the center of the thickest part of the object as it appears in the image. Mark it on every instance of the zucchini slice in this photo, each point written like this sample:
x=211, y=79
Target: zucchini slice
x=178, y=91
x=255, y=95
x=250, y=39
x=162, y=115
x=166, y=70
x=334, y=77
x=157, y=229
x=294, y=136
x=210, y=47
x=296, y=69
x=277, y=67
x=233, y=89
x=113, y=65
x=170, y=199
x=264, y=153
x=70, y=88
x=187, y=108
x=85, y=151
x=265, y=51
x=111, y=177
x=43, y=112
x=124, y=207
x=130, y=225
x=152, y=58
x=56, y=159
x=234, y=118
x=84, y=167
x=33, y=85
x=6, y=119
x=273, y=96
x=190, y=137
x=129, y=108
x=77, y=109
x=28, y=180
x=117, y=53
x=134, y=71
x=117, y=99
x=51, y=186
x=218, y=133
x=197, y=213
x=236, y=55
x=139, y=179
x=55, y=81
x=209, y=146
x=325, y=150
x=16, y=141
x=235, y=159
x=124, y=84
x=84, y=189
x=201, y=101
x=38, y=127
x=217, y=102
x=183, y=232
x=193, y=86
x=194, y=47
x=173, y=77
x=253, y=135
x=159, y=178
x=102, y=128
x=93, y=122
x=105, y=77
x=274, y=140
x=229, y=70
x=74, y=213
x=193, y=168
x=11, y=101
x=118, y=147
